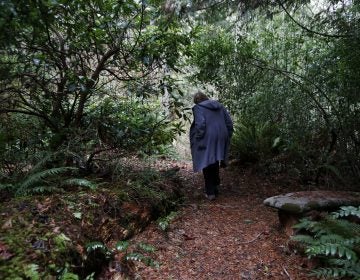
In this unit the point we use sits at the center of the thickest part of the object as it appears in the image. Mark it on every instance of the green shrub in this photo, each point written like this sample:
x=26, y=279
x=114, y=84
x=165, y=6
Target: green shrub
x=134, y=126
x=253, y=142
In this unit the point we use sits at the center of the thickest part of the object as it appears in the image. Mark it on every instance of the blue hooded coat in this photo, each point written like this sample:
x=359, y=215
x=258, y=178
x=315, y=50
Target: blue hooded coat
x=210, y=134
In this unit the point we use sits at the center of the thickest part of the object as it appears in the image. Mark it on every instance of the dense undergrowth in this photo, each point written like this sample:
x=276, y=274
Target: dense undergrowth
x=54, y=235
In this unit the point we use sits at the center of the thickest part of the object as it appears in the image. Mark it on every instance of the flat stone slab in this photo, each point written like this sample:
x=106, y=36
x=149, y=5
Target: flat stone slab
x=301, y=202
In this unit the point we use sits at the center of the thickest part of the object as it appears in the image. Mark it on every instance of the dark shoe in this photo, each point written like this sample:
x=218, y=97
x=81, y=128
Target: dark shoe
x=210, y=196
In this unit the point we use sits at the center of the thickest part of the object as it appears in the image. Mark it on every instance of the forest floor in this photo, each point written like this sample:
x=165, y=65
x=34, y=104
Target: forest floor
x=232, y=237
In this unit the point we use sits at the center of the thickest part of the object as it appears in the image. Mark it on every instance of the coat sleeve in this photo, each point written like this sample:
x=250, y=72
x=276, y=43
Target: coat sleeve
x=228, y=122
x=199, y=123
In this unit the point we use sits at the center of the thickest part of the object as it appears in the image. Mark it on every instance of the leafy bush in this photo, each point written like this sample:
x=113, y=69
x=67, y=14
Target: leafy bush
x=253, y=142
x=133, y=126
x=335, y=241
x=21, y=139
x=125, y=126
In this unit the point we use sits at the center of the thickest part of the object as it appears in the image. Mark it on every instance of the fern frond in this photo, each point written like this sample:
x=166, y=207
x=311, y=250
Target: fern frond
x=43, y=189
x=336, y=241
x=122, y=246
x=307, y=239
x=331, y=249
x=42, y=159
x=96, y=245
x=135, y=256
x=40, y=176
x=147, y=247
x=335, y=226
x=345, y=228
x=164, y=222
x=332, y=272
x=346, y=211
x=305, y=223
x=343, y=263
x=352, y=241
x=332, y=238
x=79, y=182
x=7, y=187
x=352, y=270
x=92, y=246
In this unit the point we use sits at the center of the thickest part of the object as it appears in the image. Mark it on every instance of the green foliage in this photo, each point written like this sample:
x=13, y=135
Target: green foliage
x=133, y=126
x=31, y=272
x=146, y=184
x=212, y=46
x=295, y=66
x=48, y=181
x=97, y=246
x=149, y=192
x=69, y=276
x=66, y=275
x=21, y=138
x=123, y=246
x=164, y=222
x=61, y=242
x=335, y=241
x=45, y=263
x=253, y=142
x=138, y=257
x=79, y=182
x=146, y=247
x=38, y=178
x=61, y=64
x=346, y=211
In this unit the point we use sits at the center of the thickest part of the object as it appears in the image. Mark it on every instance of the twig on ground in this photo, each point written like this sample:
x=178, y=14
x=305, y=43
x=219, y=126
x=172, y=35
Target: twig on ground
x=287, y=273
x=252, y=240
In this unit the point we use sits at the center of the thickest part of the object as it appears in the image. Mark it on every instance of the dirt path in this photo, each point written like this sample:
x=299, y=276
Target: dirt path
x=233, y=237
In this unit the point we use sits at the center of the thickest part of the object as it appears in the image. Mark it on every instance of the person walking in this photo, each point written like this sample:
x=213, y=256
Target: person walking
x=210, y=135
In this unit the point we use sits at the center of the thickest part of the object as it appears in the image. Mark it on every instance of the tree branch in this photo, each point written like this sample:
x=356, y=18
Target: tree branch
x=291, y=75
x=31, y=113
x=90, y=84
x=308, y=29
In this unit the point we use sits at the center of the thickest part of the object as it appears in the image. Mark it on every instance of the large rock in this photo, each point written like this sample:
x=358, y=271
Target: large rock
x=300, y=202
x=293, y=206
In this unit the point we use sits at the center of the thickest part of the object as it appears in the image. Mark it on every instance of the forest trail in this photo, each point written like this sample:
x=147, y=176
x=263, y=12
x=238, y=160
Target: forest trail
x=233, y=237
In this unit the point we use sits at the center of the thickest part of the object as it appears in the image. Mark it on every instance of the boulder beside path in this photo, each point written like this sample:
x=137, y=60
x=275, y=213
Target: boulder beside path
x=293, y=206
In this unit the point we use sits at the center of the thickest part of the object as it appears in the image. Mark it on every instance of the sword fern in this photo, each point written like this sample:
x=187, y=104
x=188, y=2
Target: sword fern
x=336, y=241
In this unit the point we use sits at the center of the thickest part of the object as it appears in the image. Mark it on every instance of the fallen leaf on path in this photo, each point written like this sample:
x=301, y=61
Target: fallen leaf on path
x=187, y=237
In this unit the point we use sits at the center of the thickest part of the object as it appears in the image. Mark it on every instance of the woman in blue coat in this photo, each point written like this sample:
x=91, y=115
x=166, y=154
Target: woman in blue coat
x=210, y=135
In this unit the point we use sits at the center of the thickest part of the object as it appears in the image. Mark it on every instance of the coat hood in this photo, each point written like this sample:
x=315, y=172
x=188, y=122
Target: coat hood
x=210, y=104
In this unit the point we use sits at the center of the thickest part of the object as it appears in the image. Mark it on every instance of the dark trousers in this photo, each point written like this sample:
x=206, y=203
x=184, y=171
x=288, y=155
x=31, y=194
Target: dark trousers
x=212, y=178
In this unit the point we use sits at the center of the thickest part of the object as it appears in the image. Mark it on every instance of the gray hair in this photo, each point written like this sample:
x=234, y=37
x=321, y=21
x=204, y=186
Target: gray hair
x=199, y=97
